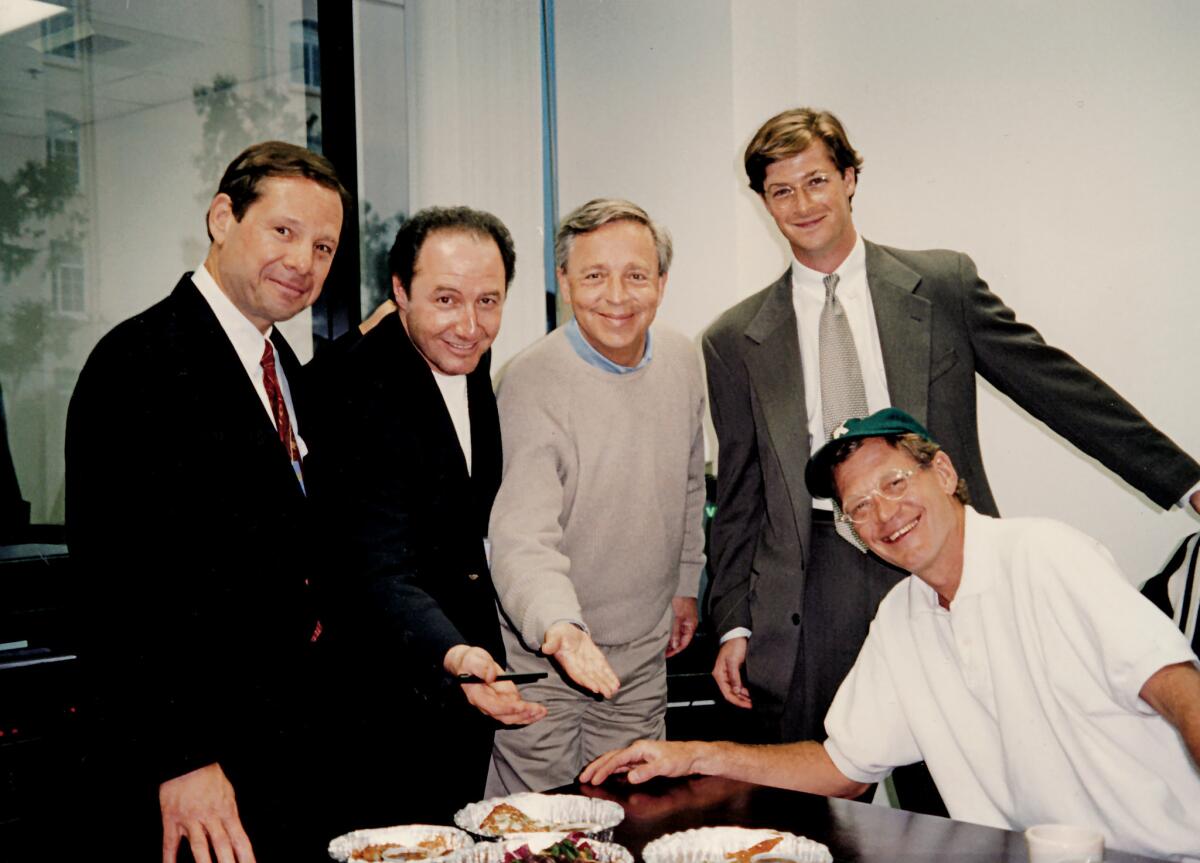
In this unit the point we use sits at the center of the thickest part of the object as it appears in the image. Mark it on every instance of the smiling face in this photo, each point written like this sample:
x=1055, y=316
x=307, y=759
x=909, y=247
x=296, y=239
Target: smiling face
x=614, y=287
x=809, y=199
x=453, y=307
x=272, y=263
x=923, y=531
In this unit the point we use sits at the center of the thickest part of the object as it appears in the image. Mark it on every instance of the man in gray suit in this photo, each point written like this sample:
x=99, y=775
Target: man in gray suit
x=791, y=599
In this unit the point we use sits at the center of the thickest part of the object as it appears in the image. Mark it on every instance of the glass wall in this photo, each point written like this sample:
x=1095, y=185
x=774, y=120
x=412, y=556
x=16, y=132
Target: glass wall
x=116, y=121
x=382, y=137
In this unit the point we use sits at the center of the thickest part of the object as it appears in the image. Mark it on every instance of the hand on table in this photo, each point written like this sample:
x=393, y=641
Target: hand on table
x=201, y=807
x=1195, y=501
x=728, y=672
x=644, y=760
x=684, y=617
x=499, y=700
x=580, y=658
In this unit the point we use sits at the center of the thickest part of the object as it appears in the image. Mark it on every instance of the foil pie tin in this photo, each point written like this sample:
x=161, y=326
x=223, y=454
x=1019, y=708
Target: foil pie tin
x=409, y=836
x=719, y=844
x=558, y=813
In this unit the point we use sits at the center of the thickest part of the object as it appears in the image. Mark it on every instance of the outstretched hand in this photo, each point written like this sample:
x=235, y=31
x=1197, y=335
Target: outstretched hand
x=499, y=700
x=580, y=658
x=644, y=760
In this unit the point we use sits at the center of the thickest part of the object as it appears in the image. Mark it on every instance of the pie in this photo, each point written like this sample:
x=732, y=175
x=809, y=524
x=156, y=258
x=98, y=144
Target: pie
x=758, y=848
x=506, y=818
x=434, y=846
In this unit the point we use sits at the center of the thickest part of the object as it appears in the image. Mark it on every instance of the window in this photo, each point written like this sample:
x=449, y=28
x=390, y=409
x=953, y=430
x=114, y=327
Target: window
x=62, y=148
x=306, y=54
x=58, y=32
x=66, y=276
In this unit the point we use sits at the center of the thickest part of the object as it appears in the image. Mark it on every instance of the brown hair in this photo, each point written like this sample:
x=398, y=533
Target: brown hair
x=242, y=180
x=792, y=132
x=599, y=212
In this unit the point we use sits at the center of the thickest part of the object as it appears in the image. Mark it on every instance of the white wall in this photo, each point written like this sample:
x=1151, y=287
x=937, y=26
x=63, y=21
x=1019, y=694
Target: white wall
x=474, y=108
x=1053, y=142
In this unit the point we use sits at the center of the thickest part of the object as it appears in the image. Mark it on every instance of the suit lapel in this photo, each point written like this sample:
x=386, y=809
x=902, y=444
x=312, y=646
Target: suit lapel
x=221, y=365
x=215, y=362
x=443, y=460
x=437, y=426
x=903, y=320
x=775, y=373
x=486, y=452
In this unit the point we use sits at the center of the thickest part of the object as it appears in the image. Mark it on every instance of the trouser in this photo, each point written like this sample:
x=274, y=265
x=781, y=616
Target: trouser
x=580, y=726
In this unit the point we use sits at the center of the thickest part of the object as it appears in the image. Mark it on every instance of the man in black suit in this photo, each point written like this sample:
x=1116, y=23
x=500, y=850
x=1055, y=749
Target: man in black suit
x=791, y=599
x=409, y=466
x=188, y=517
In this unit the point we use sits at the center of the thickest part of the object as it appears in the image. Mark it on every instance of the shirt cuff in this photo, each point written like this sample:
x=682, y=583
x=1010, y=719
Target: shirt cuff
x=1185, y=501
x=736, y=632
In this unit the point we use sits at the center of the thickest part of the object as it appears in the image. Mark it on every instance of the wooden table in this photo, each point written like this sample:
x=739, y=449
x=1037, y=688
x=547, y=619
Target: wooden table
x=853, y=831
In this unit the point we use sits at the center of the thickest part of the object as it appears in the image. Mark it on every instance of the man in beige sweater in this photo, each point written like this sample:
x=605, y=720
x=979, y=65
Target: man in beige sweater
x=596, y=532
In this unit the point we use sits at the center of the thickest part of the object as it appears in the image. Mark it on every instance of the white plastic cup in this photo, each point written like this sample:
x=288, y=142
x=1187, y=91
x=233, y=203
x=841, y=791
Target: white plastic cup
x=1059, y=843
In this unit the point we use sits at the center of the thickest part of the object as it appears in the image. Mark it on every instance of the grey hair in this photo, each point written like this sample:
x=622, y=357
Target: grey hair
x=599, y=212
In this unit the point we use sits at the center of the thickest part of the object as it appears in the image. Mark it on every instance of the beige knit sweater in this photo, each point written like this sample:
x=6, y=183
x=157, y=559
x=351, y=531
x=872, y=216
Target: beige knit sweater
x=599, y=515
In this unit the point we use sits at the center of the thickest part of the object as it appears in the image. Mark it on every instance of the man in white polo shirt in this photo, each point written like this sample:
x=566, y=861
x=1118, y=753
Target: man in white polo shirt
x=1016, y=661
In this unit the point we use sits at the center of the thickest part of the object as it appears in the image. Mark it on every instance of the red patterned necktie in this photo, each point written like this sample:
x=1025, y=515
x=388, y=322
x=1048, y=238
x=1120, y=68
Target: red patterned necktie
x=284, y=424
x=275, y=396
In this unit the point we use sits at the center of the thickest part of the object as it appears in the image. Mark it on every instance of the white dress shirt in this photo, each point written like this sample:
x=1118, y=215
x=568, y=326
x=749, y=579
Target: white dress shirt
x=248, y=343
x=808, y=298
x=454, y=394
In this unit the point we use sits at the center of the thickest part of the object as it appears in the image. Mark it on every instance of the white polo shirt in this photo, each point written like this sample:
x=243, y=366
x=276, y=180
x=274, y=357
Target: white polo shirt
x=1022, y=698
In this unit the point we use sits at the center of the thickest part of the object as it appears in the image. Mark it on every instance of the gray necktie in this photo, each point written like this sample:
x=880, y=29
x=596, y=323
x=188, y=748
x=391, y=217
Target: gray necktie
x=842, y=392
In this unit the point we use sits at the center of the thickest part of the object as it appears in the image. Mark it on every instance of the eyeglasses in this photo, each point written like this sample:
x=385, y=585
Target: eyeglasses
x=893, y=485
x=813, y=187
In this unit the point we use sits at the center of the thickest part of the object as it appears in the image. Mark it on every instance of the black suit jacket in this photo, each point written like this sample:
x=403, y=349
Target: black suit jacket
x=192, y=537
x=412, y=579
x=939, y=326
x=411, y=521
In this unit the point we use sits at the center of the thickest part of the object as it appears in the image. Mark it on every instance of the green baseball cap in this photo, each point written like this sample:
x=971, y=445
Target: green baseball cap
x=818, y=475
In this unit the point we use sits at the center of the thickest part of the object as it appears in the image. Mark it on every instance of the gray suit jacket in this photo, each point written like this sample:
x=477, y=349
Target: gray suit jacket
x=938, y=326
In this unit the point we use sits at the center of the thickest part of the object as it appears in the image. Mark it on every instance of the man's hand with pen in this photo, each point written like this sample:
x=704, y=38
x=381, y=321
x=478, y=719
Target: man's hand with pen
x=497, y=698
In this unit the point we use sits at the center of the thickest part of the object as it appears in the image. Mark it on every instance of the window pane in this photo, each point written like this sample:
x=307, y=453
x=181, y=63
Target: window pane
x=116, y=121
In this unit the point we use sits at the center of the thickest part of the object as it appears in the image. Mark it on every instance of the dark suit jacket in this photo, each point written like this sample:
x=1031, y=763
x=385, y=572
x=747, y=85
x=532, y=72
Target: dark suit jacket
x=191, y=535
x=414, y=579
x=939, y=325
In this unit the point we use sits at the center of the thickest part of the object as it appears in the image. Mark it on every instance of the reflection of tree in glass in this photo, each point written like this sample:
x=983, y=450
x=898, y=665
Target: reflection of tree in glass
x=29, y=333
x=378, y=235
x=35, y=193
x=233, y=118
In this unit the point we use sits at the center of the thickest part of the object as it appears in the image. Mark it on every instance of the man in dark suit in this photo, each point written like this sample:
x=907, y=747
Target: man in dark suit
x=791, y=598
x=409, y=466
x=188, y=518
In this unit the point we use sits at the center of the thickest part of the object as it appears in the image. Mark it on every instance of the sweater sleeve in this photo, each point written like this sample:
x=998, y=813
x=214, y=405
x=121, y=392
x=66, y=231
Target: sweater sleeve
x=529, y=569
x=691, y=558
